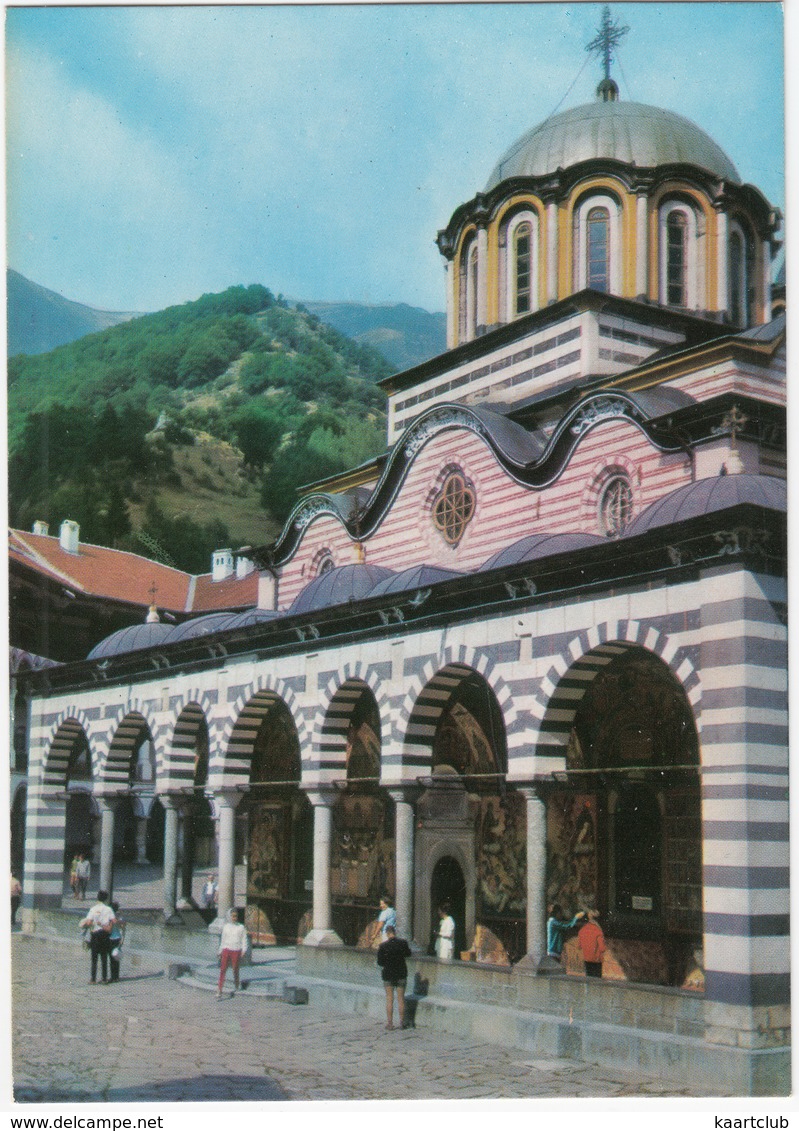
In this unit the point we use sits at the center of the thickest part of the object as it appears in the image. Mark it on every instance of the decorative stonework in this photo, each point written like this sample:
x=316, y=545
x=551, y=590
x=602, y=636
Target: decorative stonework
x=453, y=508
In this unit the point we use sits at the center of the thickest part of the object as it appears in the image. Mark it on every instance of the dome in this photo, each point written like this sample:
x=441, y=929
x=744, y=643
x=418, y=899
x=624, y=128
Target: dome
x=709, y=495
x=640, y=135
x=220, y=622
x=337, y=586
x=536, y=546
x=132, y=639
x=416, y=577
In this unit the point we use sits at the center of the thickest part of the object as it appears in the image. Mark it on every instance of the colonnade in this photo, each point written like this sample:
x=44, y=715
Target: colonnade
x=323, y=799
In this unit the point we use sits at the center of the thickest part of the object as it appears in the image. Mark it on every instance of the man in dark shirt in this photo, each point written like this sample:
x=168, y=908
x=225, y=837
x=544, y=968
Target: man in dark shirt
x=391, y=957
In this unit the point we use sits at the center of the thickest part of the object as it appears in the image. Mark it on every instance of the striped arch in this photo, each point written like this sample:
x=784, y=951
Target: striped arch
x=332, y=720
x=177, y=735
x=175, y=770
x=230, y=766
x=116, y=767
x=67, y=729
x=431, y=691
x=563, y=687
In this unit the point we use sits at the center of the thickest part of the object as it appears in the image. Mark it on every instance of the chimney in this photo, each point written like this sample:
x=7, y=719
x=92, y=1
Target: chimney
x=40, y=527
x=244, y=566
x=221, y=565
x=68, y=537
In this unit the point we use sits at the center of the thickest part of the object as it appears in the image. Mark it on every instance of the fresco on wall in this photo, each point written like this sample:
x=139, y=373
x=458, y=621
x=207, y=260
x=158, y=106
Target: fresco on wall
x=501, y=856
x=572, y=879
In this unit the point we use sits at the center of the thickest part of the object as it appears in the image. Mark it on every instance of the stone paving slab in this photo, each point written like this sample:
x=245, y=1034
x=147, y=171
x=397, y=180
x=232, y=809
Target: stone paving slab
x=149, y=1039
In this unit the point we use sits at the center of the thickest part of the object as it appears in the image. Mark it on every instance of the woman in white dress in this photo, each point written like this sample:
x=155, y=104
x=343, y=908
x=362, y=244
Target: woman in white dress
x=445, y=940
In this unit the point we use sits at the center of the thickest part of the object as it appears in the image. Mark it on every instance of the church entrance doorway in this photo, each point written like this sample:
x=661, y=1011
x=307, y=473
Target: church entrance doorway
x=448, y=889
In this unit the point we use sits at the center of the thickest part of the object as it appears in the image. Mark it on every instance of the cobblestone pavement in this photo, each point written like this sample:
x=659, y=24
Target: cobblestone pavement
x=147, y=1038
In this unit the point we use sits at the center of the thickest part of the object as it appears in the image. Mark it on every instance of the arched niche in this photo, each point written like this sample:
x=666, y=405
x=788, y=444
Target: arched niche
x=362, y=855
x=279, y=829
x=624, y=820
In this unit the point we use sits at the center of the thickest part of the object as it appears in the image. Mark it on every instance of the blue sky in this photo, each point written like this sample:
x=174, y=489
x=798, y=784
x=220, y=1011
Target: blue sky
x=154, y=154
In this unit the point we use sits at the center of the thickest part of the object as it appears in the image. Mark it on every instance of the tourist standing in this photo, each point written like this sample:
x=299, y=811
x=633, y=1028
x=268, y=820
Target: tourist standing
x=116, y=936
x=391, y=956
x=445, y=939
x=83, y=871
x=232, y=945
x=557, y=927
x=73, y=875
x=592, y=943
x=16, y=896
x=209, y=893
x=99, y=920
x=387, y=917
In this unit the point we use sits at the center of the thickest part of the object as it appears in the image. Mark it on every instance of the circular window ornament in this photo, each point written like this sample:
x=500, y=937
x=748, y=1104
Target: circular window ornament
x=453, y=507
x=616, y=507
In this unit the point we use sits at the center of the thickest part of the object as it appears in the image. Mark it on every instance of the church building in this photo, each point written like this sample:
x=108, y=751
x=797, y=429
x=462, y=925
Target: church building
x=534, y=654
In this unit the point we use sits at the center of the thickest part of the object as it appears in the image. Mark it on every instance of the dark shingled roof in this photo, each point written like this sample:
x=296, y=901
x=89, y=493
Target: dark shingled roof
x=220, y=622
x=536, y=546
x=132, y=639
x=710, y=495
x=416, y=577
x=338, y=586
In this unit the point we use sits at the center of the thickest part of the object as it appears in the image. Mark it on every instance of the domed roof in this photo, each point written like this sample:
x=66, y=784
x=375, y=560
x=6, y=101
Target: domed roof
x=709, y=495
x=626, y=131
x=132, y=639
x=339, y=585
x=220, y=622
x=415, y=577
x=535, y=546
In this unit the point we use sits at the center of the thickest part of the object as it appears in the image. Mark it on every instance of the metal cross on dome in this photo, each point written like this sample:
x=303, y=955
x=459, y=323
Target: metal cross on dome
x=608, y=36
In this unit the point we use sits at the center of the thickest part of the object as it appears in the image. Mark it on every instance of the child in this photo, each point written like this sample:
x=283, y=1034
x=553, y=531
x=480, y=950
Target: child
x=592, y=943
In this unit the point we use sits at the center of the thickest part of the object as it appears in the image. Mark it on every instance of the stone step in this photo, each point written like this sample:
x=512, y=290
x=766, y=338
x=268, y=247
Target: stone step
x=255, y=981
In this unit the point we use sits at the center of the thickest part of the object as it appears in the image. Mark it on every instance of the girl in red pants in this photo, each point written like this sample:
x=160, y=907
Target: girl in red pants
x=232, y=944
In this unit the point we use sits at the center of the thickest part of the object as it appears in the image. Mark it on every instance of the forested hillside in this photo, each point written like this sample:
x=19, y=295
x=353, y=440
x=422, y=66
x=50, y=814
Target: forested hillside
x=182, y=431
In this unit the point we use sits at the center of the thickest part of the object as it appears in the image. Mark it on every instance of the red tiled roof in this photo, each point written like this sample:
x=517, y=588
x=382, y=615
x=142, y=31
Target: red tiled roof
x=117, y=575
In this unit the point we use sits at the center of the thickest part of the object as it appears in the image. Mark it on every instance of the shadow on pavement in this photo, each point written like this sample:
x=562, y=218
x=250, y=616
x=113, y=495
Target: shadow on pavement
x=192, y=1089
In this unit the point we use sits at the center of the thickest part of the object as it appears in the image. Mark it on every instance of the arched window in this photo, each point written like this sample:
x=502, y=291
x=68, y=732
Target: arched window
x=597, y=245
x=676, y=259
x=615, y=506
x=522, y=265
x=468, y=292
x=325, y=565
x=598, y=249
x=741, y=276
x=681, y=244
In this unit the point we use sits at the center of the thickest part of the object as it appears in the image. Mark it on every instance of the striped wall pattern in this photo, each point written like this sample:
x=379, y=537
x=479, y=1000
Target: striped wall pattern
x=229, y=764
x=722, y=635
x=568, y=504
x=564, y=685
x=429, y=694
x=332, y=721
x=177, y=769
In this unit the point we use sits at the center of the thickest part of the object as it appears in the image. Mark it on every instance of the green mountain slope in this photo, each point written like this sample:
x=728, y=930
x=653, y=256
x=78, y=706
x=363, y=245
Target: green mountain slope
x=181, y=431
x=405, y=335
x=39, y=320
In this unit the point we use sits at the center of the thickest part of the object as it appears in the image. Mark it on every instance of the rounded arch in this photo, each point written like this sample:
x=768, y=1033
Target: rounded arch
x=431, y=692
x=601, y=196
x=230, y=766
x=178, y=768
x=587, y=654
x=70, y=728
x=128, y=734
x=337, y=708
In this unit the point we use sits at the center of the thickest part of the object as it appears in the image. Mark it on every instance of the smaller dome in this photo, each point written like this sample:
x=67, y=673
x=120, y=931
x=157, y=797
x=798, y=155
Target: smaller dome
x=416, y=577
x=338, y=586
x=536, y=546
x=132, y=639
x=220, y=622
x=710, y=495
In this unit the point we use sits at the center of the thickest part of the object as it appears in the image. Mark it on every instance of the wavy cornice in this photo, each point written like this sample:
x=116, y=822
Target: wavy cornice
x=528, y=457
